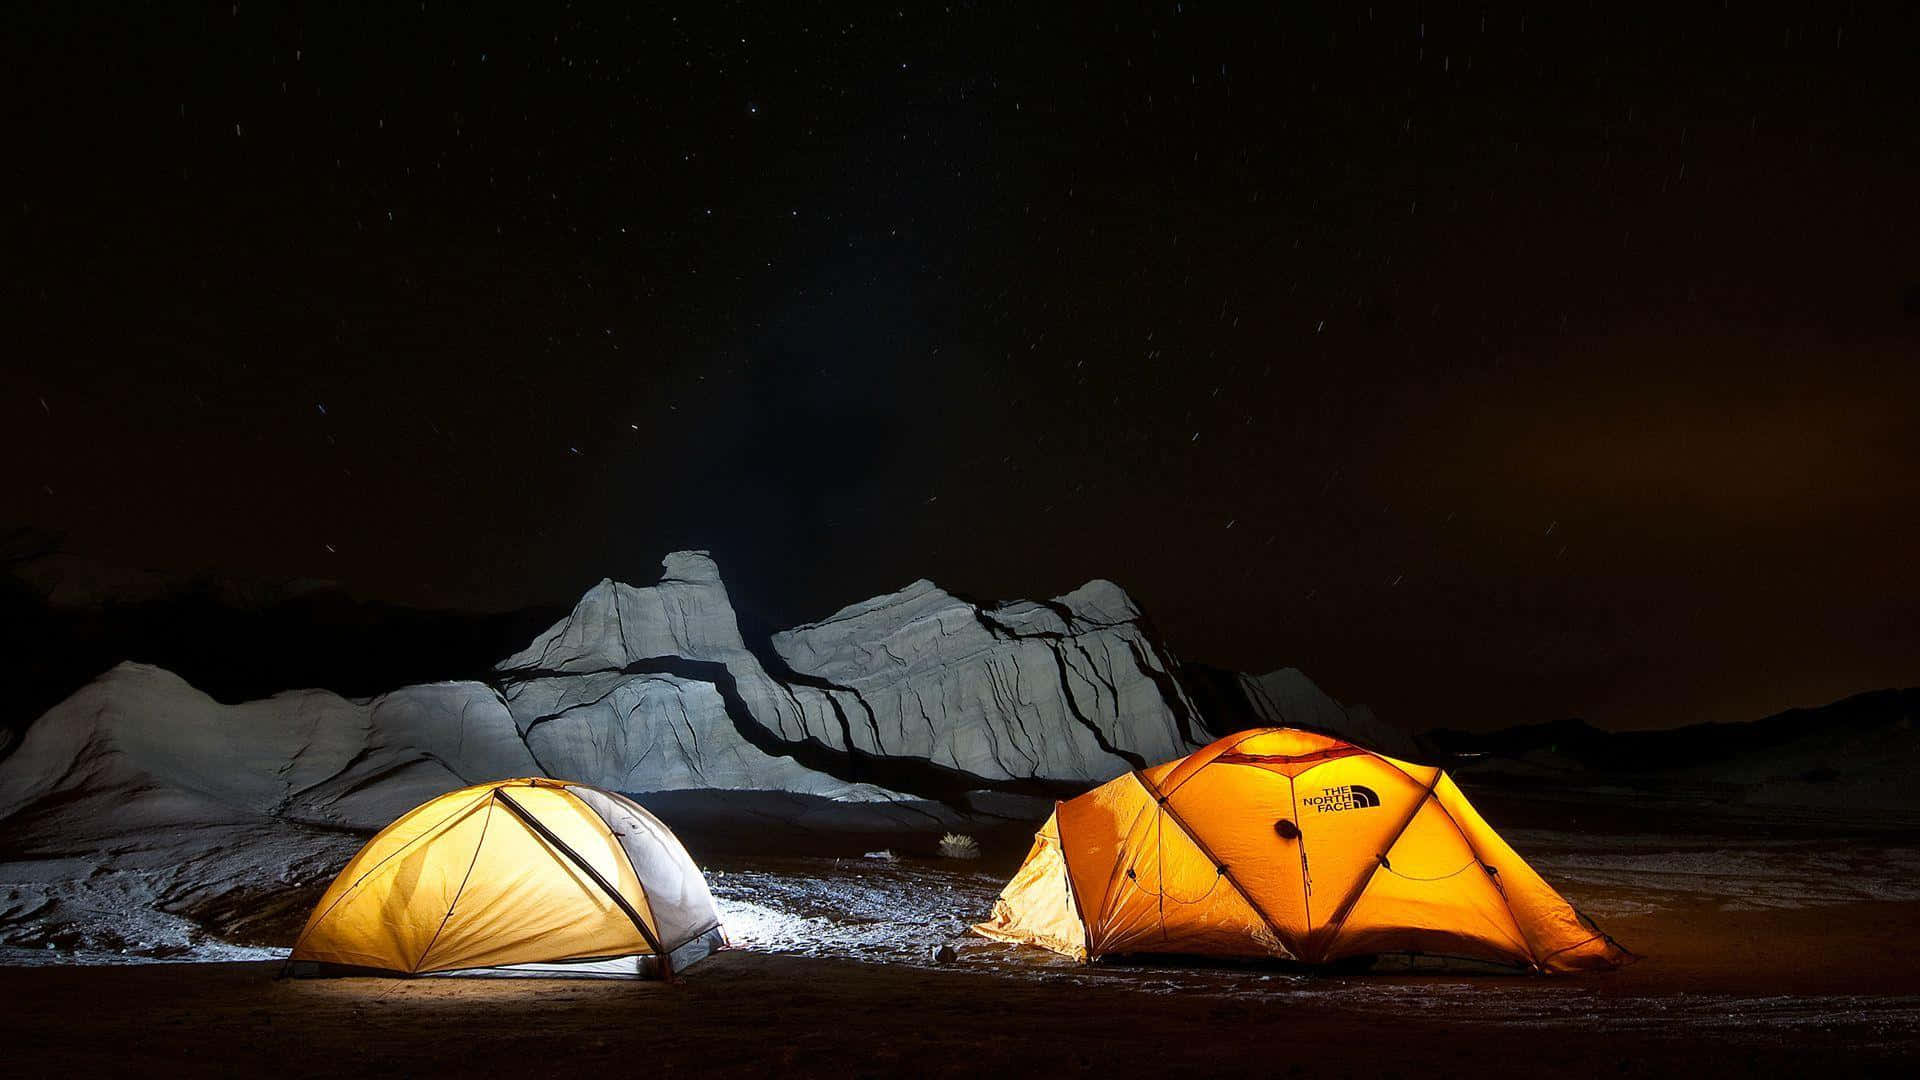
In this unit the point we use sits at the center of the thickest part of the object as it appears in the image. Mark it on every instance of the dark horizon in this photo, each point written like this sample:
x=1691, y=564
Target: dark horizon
x=1491, y=368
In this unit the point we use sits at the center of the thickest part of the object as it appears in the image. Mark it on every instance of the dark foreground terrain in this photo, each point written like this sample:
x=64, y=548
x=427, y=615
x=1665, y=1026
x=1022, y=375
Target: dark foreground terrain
x=1684, y=1012
x=1771, y=947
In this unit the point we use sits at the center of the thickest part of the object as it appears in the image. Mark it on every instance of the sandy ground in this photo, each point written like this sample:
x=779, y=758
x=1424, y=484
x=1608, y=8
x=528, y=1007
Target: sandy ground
x=1769, y=948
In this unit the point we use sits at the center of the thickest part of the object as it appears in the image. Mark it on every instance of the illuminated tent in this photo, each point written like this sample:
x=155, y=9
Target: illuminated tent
x=516, y=877
x=1287, y=844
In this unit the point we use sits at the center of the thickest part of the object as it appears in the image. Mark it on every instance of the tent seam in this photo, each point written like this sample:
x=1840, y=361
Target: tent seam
x=464, y=878
x=1533, y=954
x=1107, y=897
x=1229, y=748
x=1339, y=921
x=657, y=829
x=1306, y=882
x=1164, y=807
x=1248, y=735
x=666, y=964
x=1060, y=834
x=637, y=880
x=348, y=891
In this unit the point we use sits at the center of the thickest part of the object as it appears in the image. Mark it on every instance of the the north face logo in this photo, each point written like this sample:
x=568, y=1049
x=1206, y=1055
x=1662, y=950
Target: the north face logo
x=1344, y=797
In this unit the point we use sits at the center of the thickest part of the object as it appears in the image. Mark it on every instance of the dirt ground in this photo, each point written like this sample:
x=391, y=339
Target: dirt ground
x=1770, y=947
x=1827, y=990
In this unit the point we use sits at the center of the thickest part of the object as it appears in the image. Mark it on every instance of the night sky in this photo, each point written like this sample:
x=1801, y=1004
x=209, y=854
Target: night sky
x=1492, y=364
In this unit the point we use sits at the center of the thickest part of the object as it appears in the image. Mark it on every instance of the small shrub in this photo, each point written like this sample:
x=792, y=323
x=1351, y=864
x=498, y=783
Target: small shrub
x=955, y=846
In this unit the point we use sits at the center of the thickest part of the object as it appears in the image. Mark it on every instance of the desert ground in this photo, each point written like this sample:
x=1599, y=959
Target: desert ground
x=1771, y=943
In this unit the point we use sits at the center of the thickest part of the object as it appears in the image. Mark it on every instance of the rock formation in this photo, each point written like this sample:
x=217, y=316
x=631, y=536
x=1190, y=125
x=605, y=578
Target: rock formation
x=917, y=689
x=1068, y=690
x=1287, y=698
x=141, y=737
x=913, y=711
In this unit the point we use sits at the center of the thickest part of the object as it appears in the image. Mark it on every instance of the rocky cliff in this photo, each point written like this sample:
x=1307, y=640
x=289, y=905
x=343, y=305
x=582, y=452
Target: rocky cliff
x=913, y=711
x=1071, y=689
x=647, y=689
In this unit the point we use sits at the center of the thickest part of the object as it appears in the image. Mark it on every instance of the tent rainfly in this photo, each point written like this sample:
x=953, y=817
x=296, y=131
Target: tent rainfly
x=1293, y=845
x=530, y=876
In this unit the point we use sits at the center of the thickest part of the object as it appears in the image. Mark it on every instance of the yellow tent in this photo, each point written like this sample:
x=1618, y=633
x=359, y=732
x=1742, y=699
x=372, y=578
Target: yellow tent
x=1288, y=844
x=517, y=876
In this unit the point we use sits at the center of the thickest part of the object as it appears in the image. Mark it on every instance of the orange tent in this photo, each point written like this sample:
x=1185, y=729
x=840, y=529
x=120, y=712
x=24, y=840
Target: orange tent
x=1288, y=844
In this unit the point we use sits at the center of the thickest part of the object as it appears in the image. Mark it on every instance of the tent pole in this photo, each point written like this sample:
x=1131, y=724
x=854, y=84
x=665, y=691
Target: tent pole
x=1339, y=920
x=1221, y=868
x=666, y=961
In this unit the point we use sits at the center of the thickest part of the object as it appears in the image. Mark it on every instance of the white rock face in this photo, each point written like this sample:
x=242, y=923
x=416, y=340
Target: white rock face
x=141, y=733
x=658, y=732
x=140, y=808
x=653, y=689
x=649, y=690
x=1071, y=690
x=140, y=795
x=688, y=614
